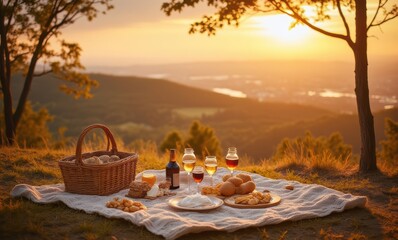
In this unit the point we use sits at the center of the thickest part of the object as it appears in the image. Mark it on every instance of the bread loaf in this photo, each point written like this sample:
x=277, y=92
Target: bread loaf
x=138, y=189
x=235, y=180
x=227, y=189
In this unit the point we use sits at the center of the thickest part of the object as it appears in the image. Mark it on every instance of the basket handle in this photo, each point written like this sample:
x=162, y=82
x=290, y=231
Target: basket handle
x=109, y=136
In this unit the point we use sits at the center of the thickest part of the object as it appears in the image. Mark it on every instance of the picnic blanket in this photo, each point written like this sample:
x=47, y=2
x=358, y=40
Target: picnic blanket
x=305, y=201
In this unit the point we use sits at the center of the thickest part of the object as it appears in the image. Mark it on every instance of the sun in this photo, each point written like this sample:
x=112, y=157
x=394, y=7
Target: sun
x=278, y=27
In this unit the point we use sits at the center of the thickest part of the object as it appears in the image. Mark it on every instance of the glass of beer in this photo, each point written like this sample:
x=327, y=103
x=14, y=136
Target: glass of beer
x=198, y=174
x=211, y=166
x=232, y=159
x=188, y=161
x=149, y=178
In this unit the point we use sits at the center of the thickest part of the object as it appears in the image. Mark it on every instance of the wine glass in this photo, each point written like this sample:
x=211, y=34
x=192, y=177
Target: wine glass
x=211, y=166
x=198, y=174
x=188, y=161
x=232, y=159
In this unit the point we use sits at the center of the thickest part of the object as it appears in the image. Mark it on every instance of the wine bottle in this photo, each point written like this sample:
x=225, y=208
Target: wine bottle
x=173, y=170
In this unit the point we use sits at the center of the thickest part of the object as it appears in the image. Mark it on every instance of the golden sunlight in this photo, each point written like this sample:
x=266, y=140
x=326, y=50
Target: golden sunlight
x=278, y=27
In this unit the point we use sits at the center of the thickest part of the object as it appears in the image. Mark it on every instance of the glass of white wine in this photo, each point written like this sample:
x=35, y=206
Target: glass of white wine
x=188, y=161
x=211, y=166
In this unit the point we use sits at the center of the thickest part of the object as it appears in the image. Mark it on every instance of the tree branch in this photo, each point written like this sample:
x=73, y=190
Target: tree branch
x=343, y=19
x=388, y=16
x=42, y=73
x=297, y=16
x=375, y=15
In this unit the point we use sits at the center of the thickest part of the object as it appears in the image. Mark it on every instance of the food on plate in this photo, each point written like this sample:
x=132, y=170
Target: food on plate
x=210, y=190
x=235, y=180
x=138, y=189
x=227, y=189
x=254, y=198
x=164, y=189
x=125, y=205
x=153, y=192
x=195, y=201
x=246, y=187
x=164, y=185
x=289, y=187
x=244, y=177
x=240, y=184
x=225, y=177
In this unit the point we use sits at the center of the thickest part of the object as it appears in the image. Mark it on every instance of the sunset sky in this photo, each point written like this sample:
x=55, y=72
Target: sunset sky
x=137, y=32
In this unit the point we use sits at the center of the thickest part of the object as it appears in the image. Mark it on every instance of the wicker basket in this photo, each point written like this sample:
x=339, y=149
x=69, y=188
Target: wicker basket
x=102, y=179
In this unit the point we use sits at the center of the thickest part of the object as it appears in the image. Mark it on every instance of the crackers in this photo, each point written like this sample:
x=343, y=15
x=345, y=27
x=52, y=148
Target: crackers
x=253, y=198
x=126, y=205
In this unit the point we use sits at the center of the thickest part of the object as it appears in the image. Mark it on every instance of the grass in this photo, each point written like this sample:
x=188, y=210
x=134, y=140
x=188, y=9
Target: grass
x=23, y=219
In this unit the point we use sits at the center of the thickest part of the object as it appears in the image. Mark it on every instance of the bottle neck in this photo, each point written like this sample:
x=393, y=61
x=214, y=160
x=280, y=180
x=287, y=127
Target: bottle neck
x=172, y=155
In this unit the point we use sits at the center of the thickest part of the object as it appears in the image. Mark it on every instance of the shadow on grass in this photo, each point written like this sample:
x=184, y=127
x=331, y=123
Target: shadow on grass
x=358, y=222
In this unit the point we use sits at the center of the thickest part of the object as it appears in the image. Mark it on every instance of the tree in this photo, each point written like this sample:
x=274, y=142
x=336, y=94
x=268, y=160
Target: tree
x=203, y=140
x=172, y=140
x=309, y=146
x=389, y=152
x=28, y=30
x=33, y=130
x=231, y=11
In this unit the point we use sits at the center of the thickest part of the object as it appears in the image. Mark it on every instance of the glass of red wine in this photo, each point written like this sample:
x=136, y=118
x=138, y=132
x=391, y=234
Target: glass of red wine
x=232, y=159
x=198, y=174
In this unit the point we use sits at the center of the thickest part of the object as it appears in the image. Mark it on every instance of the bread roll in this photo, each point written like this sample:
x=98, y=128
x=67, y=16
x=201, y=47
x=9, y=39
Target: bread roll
x=246, y=188
x=227, y=189
x=235, y=180
x=104, y=158
x=244, y=177
x=225, y=177
x=92, y=160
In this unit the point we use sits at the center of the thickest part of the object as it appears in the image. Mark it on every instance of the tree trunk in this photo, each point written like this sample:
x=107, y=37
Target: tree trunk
x=368, y=144
x=9, y=123
x=5, y=77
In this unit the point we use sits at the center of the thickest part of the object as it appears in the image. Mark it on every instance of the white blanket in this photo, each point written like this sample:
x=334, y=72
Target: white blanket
x=305, y=201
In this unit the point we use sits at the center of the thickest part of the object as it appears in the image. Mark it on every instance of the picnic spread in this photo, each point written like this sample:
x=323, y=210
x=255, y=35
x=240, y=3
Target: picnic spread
x=165, y=202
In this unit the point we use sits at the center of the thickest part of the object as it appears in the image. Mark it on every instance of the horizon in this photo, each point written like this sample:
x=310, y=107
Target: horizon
x=137, y=32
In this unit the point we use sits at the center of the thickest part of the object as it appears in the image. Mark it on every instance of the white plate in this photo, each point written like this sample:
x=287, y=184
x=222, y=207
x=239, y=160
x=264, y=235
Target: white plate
x=173, y=202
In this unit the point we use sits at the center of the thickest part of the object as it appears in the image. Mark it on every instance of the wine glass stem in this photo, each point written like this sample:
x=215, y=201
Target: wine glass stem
x=189, y=185
x=211, y=179
x=198, y=188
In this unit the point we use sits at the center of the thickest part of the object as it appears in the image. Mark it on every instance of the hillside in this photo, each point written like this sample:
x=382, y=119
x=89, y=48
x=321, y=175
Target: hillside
x=347, y=125
x=22, y=219
x=145, y=108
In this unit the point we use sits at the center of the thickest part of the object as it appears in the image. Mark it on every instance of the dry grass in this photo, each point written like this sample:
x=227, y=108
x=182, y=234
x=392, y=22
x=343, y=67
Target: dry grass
x=22, y=219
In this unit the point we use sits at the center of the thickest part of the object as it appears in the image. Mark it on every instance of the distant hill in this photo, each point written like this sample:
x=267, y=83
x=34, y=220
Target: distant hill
x=322, y=83
x=265, y=144
x=145, y=108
